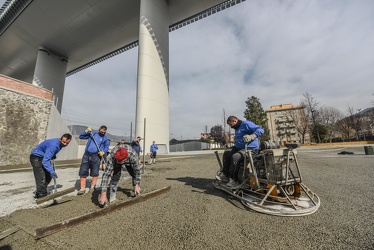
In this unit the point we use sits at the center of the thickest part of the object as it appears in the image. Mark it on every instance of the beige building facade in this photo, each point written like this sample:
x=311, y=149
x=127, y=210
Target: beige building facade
x=281, y=123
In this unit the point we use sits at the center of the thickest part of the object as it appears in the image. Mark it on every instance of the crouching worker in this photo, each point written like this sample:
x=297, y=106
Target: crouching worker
x=121, y=155
x=40, y=159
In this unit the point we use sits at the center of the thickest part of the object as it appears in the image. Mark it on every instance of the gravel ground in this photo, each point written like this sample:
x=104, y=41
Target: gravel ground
x=195, y=215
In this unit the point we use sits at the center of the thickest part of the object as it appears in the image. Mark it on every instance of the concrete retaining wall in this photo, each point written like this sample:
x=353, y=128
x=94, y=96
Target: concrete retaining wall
x=56, y=128
x=24, y=115
x=25, y=121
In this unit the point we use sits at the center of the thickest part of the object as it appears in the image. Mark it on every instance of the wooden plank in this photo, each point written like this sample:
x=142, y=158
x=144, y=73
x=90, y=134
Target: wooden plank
x=44, y=231
x=8, y=232
x=55, y=195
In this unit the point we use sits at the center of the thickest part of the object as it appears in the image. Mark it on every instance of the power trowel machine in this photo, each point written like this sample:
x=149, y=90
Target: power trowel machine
x=271, y=182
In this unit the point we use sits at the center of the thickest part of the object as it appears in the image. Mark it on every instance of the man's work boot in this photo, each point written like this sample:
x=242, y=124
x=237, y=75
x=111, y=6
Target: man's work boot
x=112, y=197
x=82, y=191
x=113, y=190
x=222, y=178
x=233, y=184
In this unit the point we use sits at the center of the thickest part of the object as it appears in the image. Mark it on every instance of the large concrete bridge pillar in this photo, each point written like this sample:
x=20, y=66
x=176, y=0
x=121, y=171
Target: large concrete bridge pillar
x=50, y=73
x=152, y=101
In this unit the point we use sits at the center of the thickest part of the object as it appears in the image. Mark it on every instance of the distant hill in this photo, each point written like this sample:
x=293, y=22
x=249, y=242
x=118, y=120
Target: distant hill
x=367, y=111
x=76, y=130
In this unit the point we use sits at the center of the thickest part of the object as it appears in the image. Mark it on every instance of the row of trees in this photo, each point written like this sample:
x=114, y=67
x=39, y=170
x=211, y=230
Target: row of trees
x=321, y=123
x=253, y=112
x=326, y=124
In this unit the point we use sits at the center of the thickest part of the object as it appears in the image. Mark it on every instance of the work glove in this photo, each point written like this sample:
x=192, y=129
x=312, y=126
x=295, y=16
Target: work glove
x=101, y=153
x=54, y=175
x=88, y=130
x=249, y=138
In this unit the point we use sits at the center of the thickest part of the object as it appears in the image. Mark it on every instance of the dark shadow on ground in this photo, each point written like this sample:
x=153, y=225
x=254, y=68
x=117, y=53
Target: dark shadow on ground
x=97, y=191
x=206, y=187
x=6, y=247
x=127, y=192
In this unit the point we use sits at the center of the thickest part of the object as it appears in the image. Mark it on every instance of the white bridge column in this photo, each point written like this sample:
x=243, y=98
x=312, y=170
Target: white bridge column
x=152, y=100
x=50, y=73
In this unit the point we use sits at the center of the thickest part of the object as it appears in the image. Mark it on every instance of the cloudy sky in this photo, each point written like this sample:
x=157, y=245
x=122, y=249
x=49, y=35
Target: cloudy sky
x=274, y=50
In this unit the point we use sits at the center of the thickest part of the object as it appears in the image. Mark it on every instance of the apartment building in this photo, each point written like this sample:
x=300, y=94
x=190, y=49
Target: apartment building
x=281, y=123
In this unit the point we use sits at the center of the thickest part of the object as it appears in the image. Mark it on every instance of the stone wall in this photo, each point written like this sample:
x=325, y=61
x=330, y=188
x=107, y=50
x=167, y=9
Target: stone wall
x=24, y=116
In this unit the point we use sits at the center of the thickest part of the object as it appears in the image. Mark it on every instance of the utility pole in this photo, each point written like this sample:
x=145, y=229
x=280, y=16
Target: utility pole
x=131, y=132
x=224, y=127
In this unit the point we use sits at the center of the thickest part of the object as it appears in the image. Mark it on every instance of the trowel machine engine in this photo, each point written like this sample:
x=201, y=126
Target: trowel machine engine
x=271, y=182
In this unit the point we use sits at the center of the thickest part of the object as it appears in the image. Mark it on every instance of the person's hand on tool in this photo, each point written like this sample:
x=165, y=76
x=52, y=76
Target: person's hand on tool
x=101, y=153
x=54, y=175
x=102, y=198
x=137, y=190
x=88, y=130
x=249, y=138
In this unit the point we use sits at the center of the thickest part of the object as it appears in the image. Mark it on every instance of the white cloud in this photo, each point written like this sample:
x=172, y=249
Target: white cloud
x=274, y=50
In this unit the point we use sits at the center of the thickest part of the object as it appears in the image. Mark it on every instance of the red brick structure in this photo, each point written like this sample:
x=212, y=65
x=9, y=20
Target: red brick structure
x=26, y=88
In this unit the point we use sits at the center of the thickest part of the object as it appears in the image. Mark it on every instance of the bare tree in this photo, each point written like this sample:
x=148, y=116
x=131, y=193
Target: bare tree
x=329, y=117
x=300, y=119
x=356, y=120
x=370, y=124
x=344, y=126
x=312, y=110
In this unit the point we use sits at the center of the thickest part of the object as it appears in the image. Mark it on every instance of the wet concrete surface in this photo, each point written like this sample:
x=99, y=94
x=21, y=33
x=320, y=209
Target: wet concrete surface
x=195, y=215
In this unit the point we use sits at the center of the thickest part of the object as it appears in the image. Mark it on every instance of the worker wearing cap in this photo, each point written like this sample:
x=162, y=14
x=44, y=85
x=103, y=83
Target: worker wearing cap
x=97, y=146
x=121, y=154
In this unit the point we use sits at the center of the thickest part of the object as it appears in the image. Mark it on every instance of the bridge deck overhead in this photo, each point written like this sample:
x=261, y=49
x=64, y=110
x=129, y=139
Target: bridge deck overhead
x=81, y=31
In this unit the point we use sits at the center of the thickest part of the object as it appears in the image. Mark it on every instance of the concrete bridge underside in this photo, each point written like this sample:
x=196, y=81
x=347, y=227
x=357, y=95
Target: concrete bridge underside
x=44, y=41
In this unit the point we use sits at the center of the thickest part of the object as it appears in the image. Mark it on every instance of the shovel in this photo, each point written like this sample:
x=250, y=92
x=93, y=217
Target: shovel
x=55, y=193
x=98, y=149
x=54, y=185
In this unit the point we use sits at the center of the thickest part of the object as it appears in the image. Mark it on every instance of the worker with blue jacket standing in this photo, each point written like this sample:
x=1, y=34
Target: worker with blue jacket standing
x=97, y=146
x=40, y=159
x=153, y=152
x=135, y=144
